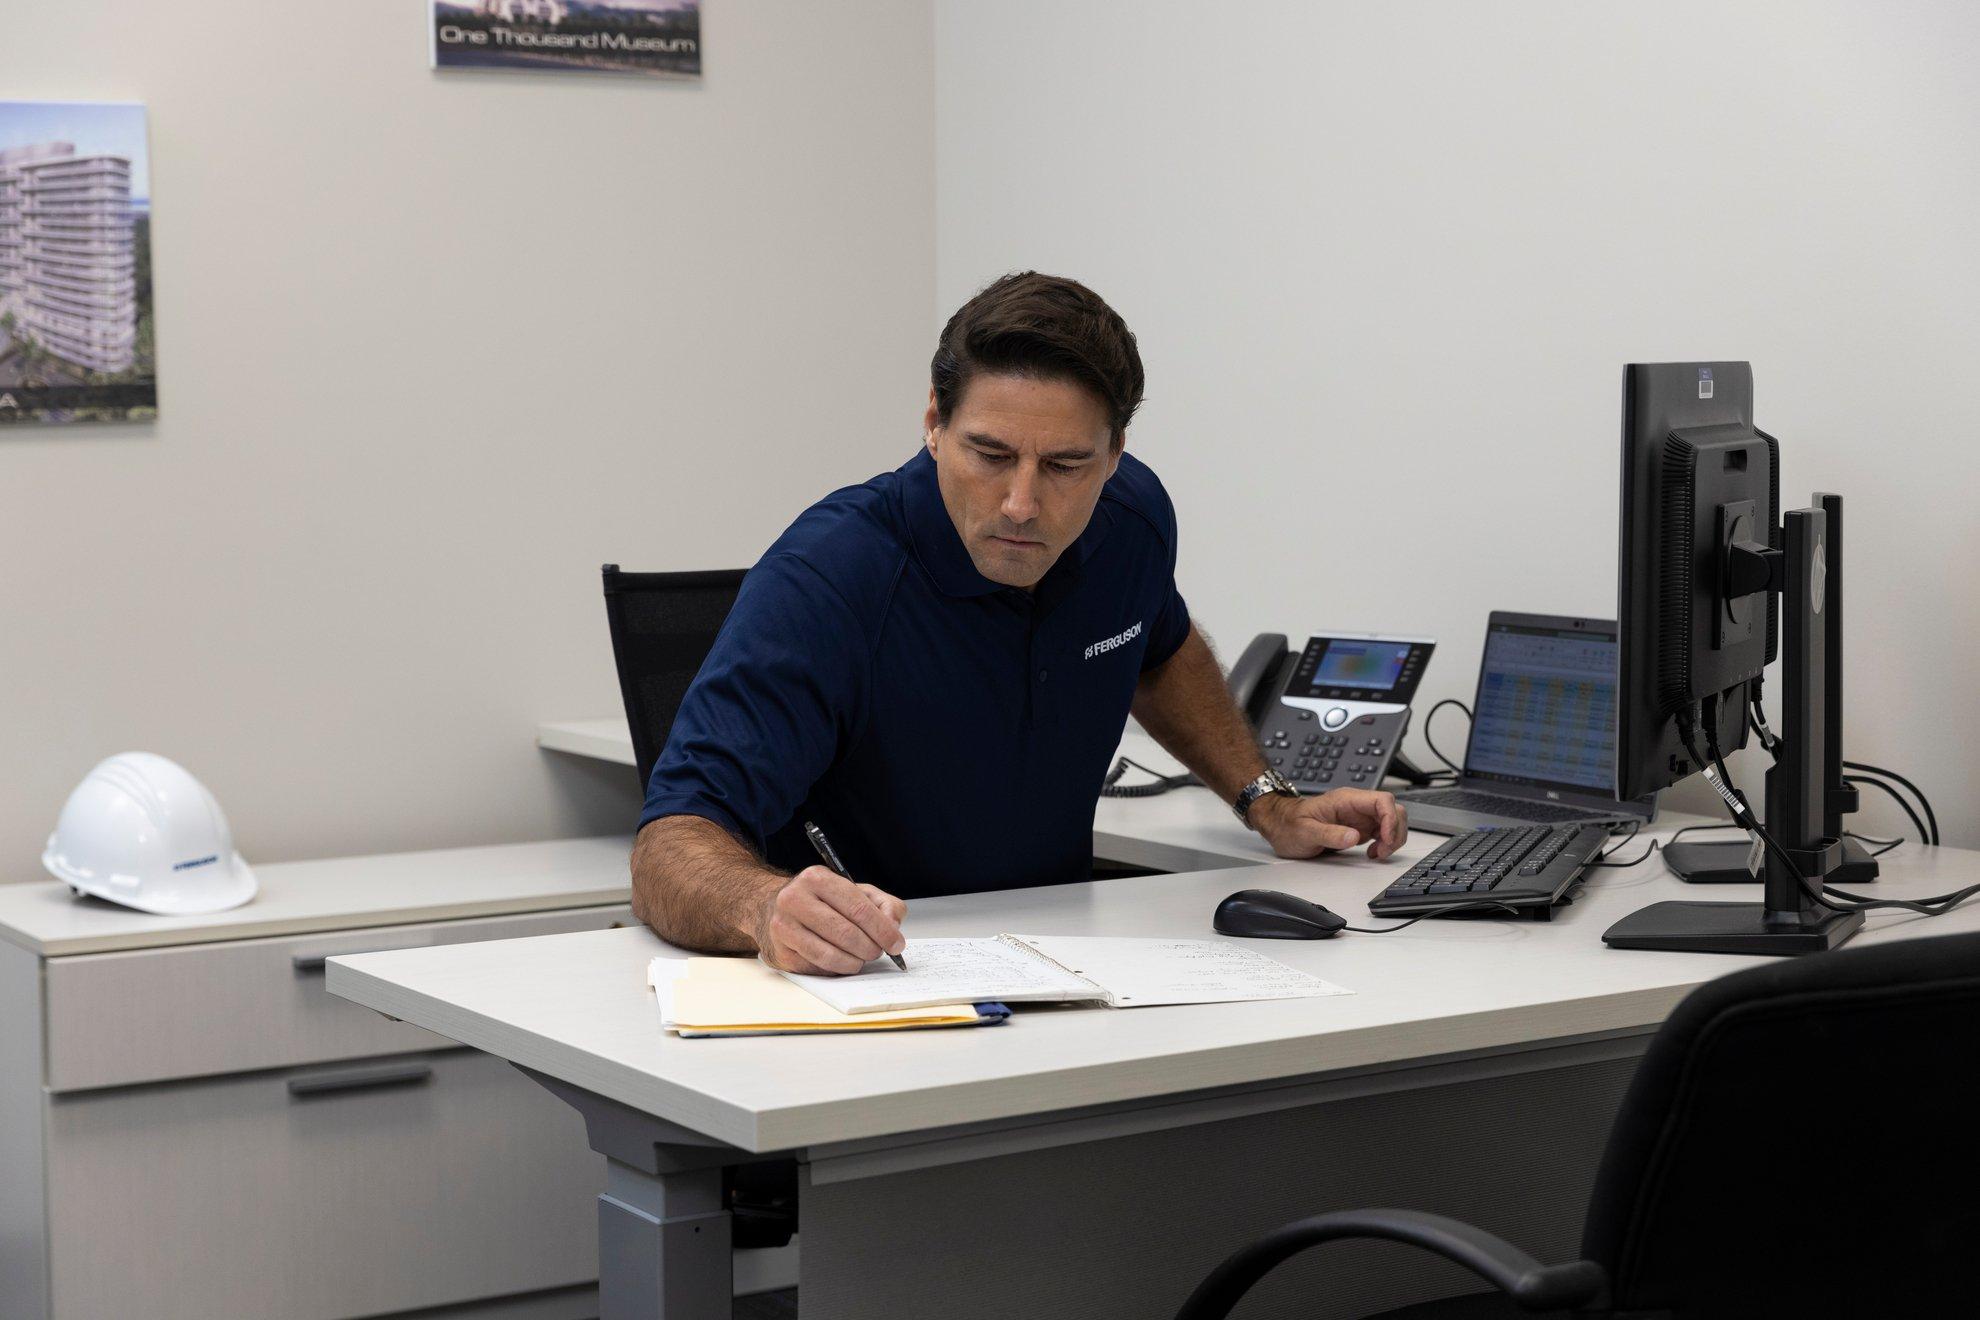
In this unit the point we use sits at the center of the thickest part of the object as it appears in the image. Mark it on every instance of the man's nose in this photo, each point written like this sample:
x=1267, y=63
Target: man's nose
x=1021, y=500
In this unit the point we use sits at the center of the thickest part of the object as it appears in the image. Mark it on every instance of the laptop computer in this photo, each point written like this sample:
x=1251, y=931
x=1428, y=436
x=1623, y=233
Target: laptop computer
x=1542, y=747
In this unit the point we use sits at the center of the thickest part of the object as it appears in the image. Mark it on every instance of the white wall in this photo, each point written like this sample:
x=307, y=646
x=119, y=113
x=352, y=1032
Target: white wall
x=433, y=347
x=1385, y=262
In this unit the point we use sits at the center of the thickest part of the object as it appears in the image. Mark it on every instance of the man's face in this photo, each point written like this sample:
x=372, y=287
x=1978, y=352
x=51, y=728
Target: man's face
x=1021, y=463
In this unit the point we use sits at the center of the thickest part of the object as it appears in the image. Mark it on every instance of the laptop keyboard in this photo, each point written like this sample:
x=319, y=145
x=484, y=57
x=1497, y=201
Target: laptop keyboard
x=1464, y=799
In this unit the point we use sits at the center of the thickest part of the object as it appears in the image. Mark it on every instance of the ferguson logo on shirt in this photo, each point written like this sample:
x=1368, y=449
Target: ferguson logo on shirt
x=1120, y=639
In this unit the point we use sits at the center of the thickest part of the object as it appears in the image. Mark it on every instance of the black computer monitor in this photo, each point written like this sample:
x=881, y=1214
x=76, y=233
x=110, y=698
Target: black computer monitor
x=1696, y=477
x=1714, y=579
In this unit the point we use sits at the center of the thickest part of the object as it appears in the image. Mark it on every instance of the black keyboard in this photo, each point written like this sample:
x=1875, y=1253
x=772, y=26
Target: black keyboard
x=1465, y=799
x=1528, y=868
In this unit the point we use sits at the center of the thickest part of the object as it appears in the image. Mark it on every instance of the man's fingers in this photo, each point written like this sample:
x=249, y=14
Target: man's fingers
x=1377, y=815
x=808, y=945
x=1329, y=834
x=893, y=907
x=874, y=922
x=824, y=919
x=1395, y=826
x=1309, y=835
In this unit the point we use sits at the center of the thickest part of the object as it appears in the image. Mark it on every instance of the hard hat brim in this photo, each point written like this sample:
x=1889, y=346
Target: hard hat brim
x=213, y=893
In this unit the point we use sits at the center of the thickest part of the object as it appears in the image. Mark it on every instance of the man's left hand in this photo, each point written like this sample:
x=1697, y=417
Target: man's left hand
x=1343, y=818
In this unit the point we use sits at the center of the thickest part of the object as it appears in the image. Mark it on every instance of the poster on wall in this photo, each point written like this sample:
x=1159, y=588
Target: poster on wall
x=653, y=37
x=76, y=339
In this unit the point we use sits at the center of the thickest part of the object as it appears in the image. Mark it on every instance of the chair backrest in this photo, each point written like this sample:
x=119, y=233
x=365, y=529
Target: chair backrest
x=663, y=625
x=1800, y=1139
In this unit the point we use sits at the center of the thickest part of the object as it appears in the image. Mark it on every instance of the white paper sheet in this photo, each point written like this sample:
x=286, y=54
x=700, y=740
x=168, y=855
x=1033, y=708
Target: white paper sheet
x=948, y=971
x=1139, y=973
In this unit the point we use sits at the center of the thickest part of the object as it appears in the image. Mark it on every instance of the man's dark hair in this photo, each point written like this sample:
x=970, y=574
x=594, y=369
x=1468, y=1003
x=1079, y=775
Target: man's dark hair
x=1045, y=327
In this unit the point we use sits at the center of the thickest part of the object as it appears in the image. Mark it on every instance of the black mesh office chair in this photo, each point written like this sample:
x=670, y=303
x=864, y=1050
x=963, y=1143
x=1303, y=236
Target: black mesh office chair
x=662, y=627
x=1799, y=1140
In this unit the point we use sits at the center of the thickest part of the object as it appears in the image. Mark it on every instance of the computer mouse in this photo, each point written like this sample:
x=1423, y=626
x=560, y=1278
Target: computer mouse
x=1266, y=914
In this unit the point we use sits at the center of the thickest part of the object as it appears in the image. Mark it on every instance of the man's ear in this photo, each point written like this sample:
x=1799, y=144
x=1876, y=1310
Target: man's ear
x=931, y=421
x=1114, y=452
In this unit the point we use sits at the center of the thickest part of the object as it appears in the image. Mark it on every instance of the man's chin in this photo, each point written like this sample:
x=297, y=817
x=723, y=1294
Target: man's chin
x=1009, y=566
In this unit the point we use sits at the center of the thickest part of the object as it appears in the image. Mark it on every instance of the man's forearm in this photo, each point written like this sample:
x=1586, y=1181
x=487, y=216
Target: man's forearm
x=1185, y=706
x=698, y=887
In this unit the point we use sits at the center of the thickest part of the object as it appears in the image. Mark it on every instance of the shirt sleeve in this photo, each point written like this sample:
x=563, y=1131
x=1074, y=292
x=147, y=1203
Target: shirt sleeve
x=1171, y=626
x=782, y=692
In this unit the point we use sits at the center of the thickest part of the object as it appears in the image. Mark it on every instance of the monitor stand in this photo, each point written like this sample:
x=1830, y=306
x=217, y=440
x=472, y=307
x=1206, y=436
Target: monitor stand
x=1725, y=863
x=1787, y=920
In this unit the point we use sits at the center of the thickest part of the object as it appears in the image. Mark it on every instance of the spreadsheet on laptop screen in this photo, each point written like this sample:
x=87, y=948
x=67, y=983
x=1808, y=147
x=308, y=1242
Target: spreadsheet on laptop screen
x=1546, y=709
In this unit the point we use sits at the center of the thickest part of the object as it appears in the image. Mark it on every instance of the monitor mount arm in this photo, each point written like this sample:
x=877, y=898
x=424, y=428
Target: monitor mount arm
x=1750, y=567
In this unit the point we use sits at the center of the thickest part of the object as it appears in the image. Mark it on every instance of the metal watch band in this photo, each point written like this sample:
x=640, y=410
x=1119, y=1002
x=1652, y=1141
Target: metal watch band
x=1269, y=782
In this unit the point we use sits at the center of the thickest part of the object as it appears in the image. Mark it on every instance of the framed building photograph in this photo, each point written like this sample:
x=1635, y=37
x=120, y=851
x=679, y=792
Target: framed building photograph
x=653, y=37
x=77, y=342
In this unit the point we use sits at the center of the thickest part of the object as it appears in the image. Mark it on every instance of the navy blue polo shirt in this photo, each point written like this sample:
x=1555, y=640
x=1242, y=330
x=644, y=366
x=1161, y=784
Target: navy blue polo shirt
x=949, y=734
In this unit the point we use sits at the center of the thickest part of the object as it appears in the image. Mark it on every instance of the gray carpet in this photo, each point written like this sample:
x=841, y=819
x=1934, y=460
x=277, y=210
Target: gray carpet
x=781, y=1305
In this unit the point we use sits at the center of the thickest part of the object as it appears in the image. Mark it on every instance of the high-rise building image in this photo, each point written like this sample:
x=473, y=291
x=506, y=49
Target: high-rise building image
x=67, y=263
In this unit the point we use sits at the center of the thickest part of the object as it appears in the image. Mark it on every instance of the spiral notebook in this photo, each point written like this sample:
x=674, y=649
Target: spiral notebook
x=1015, y=969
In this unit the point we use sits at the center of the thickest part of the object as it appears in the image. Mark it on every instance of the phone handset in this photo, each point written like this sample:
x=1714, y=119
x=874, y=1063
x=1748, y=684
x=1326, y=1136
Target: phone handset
x=1259, y=674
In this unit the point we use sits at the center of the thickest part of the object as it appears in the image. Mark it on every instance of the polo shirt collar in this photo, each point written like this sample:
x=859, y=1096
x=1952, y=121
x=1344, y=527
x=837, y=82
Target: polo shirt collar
x=941, y=550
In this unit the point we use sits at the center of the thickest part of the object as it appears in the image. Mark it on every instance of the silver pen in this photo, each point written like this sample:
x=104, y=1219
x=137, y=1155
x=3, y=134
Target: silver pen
x=823, y=847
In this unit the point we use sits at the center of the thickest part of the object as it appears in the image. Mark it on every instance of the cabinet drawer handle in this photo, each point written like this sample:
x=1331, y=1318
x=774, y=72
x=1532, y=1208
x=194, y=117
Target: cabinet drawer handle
x=313, y=962
x=353, y=1079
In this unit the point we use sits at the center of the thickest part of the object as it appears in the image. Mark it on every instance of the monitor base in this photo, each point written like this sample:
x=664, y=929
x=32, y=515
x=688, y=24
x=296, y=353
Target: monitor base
x=1711, y=863
x=1857, y=867
x=1725, y=864
x=1729, y=928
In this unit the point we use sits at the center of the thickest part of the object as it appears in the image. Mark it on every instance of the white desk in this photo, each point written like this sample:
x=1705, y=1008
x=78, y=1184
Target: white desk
x=1096, y=1162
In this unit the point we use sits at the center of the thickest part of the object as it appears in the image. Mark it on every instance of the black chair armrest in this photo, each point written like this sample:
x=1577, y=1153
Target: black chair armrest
x=1535, y=1287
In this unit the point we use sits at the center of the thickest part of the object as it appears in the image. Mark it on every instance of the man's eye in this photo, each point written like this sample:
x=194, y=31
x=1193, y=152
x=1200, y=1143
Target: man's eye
x=1065, y=469
x=989, y=457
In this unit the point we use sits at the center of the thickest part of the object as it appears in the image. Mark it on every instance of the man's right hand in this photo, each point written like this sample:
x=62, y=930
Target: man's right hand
x=822, y=923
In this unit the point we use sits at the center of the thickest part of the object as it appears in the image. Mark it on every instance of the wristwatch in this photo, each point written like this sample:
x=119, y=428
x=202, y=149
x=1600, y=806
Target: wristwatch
x=1269, y=782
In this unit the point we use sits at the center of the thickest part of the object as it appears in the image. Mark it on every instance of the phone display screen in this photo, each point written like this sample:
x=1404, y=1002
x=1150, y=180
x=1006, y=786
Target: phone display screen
x=1359, y=669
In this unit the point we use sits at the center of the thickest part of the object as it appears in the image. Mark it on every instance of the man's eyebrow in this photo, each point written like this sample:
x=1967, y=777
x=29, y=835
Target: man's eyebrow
x=1058, y=455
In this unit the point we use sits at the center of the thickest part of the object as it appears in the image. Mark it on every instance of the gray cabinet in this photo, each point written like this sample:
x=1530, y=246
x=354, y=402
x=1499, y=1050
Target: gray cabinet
x=199, y=1129
x=151, y=1015
x=346, y=1190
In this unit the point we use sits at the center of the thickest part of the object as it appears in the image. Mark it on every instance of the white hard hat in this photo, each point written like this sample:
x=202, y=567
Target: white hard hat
x=141, y=831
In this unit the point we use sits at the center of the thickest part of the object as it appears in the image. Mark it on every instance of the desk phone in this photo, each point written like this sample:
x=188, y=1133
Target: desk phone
x=1332, y=714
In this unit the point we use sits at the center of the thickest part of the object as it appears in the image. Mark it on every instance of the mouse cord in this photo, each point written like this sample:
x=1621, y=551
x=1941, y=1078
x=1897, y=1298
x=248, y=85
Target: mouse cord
x=1506, y=908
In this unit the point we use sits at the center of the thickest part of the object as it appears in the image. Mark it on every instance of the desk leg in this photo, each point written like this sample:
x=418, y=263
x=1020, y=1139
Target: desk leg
x=663, y=1233
x=663, y=1245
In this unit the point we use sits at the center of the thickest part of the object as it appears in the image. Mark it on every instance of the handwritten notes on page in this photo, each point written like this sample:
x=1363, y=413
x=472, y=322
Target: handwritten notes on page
x=1122, y=973
x=948, y=972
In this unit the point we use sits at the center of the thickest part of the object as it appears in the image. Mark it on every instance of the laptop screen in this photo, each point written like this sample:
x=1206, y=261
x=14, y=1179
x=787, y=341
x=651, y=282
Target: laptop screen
x=1546, y=711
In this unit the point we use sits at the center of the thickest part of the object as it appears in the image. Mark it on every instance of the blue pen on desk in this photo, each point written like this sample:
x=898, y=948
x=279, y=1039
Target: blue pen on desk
x=823, y=847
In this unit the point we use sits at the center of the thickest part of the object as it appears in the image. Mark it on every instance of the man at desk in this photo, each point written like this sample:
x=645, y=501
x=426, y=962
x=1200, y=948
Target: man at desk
x=936, y=666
